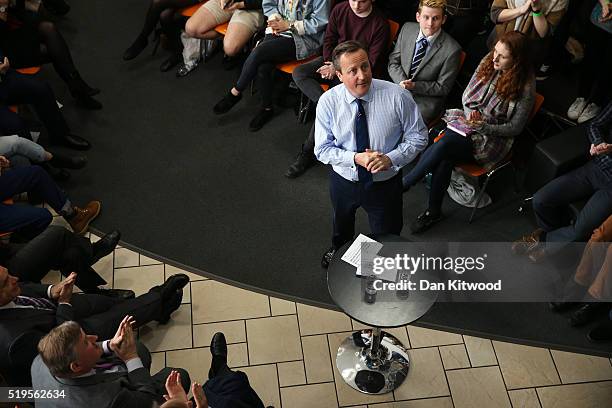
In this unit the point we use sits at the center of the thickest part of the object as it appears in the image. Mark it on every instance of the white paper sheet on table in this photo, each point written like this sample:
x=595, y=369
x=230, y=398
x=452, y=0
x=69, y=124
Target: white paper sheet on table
x=387, y=274
x=354, y=253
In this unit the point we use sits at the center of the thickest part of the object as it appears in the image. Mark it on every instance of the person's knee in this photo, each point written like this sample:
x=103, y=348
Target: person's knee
x=193, y=29
x=231, y=47
x=46, y=27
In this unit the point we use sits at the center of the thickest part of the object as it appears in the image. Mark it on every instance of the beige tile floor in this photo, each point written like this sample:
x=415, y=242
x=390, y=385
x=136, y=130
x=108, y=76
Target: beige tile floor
x=288, y=352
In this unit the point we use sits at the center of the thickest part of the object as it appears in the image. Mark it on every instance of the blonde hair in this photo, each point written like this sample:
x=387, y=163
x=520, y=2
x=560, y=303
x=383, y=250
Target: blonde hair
x=440, y=4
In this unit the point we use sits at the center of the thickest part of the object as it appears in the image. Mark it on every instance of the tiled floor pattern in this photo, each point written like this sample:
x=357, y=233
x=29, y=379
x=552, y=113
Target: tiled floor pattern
x=288, y=352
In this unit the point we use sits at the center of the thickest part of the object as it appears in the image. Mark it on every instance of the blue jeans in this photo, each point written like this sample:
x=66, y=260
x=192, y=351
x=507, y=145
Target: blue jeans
x=439, y=159
x=12, y=146
x=551, y=205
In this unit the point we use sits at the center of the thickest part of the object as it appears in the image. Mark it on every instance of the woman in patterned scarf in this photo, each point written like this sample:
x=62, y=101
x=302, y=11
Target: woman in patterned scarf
x=496, y=107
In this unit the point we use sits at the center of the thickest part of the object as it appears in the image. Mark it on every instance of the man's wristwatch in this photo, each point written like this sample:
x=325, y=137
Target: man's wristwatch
x=3, y=9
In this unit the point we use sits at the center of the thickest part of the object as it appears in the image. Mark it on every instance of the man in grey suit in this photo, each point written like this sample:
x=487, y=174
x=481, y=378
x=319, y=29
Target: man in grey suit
x=85, y=373
x=426, y=60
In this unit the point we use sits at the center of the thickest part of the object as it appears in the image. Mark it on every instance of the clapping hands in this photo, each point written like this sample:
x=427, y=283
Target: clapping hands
x=62, y=292
x=602, y=148
x=175, y=391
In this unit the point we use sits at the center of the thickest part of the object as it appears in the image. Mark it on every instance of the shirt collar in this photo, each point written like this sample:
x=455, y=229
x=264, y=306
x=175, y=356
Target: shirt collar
x=431, y=39
x=367, y=97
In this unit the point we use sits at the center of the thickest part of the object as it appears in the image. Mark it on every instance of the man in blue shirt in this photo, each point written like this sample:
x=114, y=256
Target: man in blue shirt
x=367, y=129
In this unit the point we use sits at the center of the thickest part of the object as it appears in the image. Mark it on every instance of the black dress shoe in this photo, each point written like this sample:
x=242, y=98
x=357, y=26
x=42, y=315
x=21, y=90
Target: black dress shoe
x=424, y=221
x=73, y=142
x=227, y=103
x=218, y=346
x=601, y=333
x=587, y=313
x=173, y=285
x=124, y=294
x=327, y=257
x=135, y=49
x=261, y=118
x=302, y=163
x=169, y=306
x=105, y=245
x=171, y=62
x=68, y=162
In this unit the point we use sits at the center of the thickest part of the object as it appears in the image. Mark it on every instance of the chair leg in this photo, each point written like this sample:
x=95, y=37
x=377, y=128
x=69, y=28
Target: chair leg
x=480, y=195
x=203, y=50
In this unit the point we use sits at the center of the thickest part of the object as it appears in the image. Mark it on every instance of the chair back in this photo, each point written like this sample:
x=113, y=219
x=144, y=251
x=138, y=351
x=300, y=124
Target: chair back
x=539, y=100
x=393, y=30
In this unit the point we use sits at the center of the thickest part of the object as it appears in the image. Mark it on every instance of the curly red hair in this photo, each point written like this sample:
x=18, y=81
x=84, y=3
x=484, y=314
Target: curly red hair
x=512, y=81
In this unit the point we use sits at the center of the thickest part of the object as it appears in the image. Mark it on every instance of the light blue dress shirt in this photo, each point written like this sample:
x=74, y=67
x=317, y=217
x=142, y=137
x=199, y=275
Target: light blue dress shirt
x=395, y=128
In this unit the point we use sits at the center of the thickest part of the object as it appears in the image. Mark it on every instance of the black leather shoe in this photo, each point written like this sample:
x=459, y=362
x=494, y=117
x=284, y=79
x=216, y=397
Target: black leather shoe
x=218, y=346
x=173, y=285
x=327, y=257
x=601, y=333
x=68, y=162
x=587, y=313
x=227, y=103
x=169, y=306
x=105, y=245
x=302, y=163
x=261, y=118
x=171, y=62
x=424, y=221
x=124, y=294
x=135, y=49
x=73, y=142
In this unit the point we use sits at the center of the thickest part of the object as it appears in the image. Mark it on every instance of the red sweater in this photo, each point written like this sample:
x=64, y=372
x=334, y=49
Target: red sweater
x=373, y=31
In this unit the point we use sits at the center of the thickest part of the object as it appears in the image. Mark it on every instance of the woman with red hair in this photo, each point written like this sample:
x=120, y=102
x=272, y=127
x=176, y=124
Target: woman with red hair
x=496, y=106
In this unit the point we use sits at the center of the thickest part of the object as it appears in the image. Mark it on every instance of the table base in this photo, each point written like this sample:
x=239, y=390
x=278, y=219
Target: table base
x=373, y=361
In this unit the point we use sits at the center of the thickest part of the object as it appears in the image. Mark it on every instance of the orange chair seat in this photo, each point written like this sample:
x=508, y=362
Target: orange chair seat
x=222, y=28
x=29, y=70
x=13, y=108
x=288, y=67
x=190, y=11
x=325, y=87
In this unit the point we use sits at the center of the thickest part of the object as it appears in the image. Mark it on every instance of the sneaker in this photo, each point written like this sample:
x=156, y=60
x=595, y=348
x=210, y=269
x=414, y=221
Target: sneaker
x=327, y=257
x=424, y=221
x=185, y=69
x=227, y=103
x=576, y=108
x=589, y=113
x=302, y=163
x=262, y=117
x=543, y=72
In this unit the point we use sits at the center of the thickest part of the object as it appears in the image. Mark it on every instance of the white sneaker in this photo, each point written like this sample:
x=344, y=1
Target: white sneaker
x=589, y=113
x=576, y=109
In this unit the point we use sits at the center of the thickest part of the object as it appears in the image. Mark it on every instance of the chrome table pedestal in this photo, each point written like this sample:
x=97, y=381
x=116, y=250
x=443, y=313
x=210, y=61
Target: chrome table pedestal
x=373, y=361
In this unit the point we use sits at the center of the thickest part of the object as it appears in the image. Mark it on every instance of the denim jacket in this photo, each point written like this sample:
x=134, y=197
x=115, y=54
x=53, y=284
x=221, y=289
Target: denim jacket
x=310, y=21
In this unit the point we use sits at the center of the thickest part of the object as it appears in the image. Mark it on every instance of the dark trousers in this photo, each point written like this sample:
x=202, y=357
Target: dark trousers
x=59, y=249
x=20, y=89
x=28, y=220
x=381, y=200
x=551, y=205
x=262, y=60
x=439, y=159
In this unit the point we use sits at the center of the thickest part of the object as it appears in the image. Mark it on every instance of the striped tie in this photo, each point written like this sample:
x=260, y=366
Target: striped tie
x=37, y=303
x=418, y=55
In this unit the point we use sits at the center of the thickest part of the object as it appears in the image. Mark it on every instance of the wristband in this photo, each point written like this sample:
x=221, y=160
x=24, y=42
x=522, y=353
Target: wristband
x=536, y=13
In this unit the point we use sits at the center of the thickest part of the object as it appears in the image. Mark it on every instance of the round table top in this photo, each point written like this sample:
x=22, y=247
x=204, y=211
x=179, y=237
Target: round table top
x=390, y=308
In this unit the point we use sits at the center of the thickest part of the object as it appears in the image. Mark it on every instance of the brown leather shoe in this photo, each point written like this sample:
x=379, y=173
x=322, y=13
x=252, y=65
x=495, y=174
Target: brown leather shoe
x=527, y=243
x=83, y=216
x=537, y=255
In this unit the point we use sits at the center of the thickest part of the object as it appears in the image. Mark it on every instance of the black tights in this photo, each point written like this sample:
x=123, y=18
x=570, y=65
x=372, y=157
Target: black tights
x=154, y=14
x=55, y=50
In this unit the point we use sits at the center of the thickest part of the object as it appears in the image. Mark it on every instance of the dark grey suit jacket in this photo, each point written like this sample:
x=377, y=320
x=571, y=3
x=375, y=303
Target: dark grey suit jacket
x=436, y=74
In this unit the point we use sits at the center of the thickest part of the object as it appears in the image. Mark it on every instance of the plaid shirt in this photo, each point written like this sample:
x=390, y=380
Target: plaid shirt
x=600, y=131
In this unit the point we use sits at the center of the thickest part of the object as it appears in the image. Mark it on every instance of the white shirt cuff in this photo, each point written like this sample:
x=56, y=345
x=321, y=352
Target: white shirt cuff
x=49, y=291
x=133, y=364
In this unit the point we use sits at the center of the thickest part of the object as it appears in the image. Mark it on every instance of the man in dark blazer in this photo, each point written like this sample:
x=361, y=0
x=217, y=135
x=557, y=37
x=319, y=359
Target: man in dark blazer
x=426, y=60
x=114, y=373
x=28, y=311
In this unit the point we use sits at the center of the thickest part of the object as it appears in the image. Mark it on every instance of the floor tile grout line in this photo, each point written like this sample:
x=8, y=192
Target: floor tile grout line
x=467, y=352
x=333, y=368
x=561, y=385
x=450, y=393
x=555, y=364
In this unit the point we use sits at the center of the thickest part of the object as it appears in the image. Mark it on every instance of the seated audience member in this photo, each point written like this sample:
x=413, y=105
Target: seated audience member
x=367, y=144
x=224, y=389
x=535, y=18
x=551, y=203
x=114, y=373
x=426, y=60
x=21, y=152
x=245, y=19
x=17, y=88
x=30, y=221
x=36, y=41
x=295, y=32
x=465, y=18
x=28, y=311
x=351, y=20
x=594, y=82
x=167, y=12
x=593, y=277
x=496, y=106
x=59, y=249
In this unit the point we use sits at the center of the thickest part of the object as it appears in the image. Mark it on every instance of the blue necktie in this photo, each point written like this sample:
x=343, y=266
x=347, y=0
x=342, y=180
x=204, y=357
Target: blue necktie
x=419, y=54
x=37, y=303
x=363, y=140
